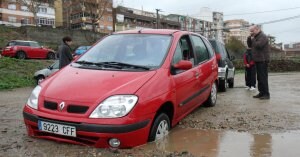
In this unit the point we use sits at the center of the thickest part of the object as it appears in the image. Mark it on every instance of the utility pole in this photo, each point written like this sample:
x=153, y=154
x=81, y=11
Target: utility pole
x=157, y=18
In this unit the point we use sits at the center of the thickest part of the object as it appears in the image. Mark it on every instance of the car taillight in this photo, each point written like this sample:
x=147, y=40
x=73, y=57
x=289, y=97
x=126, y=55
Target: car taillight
x=8, y=48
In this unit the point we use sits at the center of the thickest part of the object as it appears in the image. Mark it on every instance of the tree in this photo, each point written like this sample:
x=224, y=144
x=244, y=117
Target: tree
x=236, y=47
x=34, y=5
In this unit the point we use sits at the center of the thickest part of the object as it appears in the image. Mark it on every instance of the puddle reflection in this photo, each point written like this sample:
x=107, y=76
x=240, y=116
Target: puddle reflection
x=229, y=143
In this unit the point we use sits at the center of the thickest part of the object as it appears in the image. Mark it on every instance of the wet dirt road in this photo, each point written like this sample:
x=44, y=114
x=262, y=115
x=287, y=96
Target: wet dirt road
x=237, y=126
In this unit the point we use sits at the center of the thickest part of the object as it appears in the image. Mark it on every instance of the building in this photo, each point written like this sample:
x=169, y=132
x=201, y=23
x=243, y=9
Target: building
x=96, y=15
x=218, y=24
x=14, y=14
x=129, y=18
x=237, y=28
x=191, y=24
x=295, y=45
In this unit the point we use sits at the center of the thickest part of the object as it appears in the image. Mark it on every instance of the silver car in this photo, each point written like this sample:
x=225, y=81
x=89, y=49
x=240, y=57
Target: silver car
x=40, y=75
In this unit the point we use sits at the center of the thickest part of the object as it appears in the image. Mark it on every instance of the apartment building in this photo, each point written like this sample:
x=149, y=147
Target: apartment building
x=96, y=15
x=129, y=18
x=218, y=24
x=191, y=24
x=14, y=14
x=238, y=28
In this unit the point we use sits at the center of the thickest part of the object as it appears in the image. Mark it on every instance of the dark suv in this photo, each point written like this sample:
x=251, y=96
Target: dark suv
x=226, y=69
x=27, y=49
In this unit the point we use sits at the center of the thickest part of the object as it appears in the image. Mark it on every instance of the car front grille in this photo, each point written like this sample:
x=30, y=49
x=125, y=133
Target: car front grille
x=77, y=109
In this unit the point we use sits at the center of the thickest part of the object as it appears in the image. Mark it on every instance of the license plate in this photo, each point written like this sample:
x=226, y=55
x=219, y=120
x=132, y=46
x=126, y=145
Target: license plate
x=65, y=130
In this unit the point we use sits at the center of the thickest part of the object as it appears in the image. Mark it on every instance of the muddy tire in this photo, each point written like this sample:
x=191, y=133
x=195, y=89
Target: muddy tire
x=231, y=83
x=160, y=127
x=51, y=55
x=212, y=99
x=21, y=55
x=39, y=79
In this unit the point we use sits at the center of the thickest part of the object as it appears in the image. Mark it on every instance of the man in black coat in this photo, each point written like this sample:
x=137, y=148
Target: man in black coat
x=65, y=52
x=261, y=57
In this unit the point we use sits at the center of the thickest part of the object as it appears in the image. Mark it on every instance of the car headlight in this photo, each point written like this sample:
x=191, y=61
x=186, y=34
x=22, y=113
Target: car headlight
x=115, y=106
x=34, y=98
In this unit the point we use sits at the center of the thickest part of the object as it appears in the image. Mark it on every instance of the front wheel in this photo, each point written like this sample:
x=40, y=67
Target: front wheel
x=212, y=99
x=40, y=79
x=160, y=127
x=51, y=55
x=21, y=55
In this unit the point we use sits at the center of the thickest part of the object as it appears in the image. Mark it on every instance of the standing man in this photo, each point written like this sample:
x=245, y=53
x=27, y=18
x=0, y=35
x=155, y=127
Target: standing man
x=64, y=52
x=261, y=57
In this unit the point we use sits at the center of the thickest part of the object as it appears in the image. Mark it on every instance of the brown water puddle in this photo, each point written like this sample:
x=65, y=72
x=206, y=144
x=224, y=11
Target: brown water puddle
x=229, y=143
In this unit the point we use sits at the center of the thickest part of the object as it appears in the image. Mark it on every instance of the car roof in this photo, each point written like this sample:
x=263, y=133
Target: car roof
x=149, y=31
x=22, y=41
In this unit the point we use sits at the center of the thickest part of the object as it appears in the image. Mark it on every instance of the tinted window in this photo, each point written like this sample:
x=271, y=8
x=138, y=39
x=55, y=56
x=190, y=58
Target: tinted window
x=138, y=49
x=23, y=43
x=200, y=49
x=209, y=48
x=224, y=52
x=12, y=43
x=34, y=44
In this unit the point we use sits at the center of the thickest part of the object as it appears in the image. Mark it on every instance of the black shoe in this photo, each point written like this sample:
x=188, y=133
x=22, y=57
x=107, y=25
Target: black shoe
x=265, y=97
x=258, y=96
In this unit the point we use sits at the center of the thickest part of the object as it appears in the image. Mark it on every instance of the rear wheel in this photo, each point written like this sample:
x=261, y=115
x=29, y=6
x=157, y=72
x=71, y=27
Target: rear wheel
x=212, y=99
x=223, y=85
x=160, y=127
x=231, y=83
x=21, y=55
x=51, y=55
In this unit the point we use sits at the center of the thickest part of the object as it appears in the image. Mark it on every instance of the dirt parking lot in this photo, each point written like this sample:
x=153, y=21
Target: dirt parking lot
x=256, y=126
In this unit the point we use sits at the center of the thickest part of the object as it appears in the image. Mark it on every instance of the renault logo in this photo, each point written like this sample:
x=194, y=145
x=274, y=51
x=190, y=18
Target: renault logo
x=61, y=106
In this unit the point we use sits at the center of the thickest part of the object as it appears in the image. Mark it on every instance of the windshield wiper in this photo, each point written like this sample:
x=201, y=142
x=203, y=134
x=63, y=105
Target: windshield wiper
x=125, y=65
x=85, y=62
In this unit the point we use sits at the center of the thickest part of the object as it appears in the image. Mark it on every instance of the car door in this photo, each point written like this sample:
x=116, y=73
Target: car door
x=37, y=51
x=204, y=65
x=186, y=82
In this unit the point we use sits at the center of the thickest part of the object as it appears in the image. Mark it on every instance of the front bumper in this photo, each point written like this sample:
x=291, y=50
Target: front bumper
x=130, y=135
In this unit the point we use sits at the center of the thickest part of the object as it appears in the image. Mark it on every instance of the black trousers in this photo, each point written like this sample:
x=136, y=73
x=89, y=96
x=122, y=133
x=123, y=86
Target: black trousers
x=250, y=76
x=262, y=78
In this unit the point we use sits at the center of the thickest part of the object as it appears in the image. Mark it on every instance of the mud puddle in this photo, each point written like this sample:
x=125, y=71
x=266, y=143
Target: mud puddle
x=228, y=143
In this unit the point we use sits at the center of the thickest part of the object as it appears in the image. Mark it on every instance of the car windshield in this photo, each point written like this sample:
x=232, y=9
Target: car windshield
x=137, y=50
x=82, y=48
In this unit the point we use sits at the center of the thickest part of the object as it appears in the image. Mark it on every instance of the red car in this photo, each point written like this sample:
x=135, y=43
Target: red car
x=129, y=88
x=27, y=49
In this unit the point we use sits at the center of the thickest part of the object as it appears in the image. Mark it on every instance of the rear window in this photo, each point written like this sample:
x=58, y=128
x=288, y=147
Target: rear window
x=12, y=43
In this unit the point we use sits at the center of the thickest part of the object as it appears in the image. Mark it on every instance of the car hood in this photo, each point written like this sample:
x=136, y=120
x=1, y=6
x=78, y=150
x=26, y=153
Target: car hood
x=85, y=85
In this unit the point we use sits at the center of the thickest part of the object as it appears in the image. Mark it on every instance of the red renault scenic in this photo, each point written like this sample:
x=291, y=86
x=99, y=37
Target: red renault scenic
x=130, y=88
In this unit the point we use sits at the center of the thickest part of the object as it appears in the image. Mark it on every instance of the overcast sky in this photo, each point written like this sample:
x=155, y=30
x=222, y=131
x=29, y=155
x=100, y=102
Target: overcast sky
x=286, y=31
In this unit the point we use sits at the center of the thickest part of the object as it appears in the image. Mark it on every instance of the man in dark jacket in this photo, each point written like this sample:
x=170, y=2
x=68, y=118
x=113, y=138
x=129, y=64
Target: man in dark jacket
x=260, y=54
x=64, y=52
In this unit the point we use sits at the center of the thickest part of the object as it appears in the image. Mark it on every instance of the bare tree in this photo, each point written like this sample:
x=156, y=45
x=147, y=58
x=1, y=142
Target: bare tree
x=34, y=5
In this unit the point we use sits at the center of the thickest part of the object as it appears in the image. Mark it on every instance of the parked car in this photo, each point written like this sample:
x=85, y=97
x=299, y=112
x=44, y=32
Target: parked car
x=130, y=88
x=81, y=49
x=40, y=75
x=226, y=70
x=27, y=49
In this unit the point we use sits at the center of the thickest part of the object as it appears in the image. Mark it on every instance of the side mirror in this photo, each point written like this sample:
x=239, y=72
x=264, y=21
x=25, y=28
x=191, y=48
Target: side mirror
x=183, y=65
x=50, y=67
x=218, y=56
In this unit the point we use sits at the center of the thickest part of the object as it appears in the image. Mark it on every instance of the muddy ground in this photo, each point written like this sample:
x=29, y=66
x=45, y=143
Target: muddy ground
x=237, y=118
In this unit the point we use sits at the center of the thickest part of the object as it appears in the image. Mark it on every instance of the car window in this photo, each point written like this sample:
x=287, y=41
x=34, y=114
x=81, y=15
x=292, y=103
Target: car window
x=224, y=52
x=177, y=55
x=200, y=49
x=34, y=44
x=209, y=48
x=55, y=65
x=186, y=49
x=139, y=49
x=12, y=43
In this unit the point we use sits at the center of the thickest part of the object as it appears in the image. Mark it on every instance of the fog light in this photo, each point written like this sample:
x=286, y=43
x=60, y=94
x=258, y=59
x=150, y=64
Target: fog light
x=113, y=142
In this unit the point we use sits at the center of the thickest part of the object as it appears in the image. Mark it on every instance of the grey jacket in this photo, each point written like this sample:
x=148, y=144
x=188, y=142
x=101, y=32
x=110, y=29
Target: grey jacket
x=260, y=48
x=65, y=56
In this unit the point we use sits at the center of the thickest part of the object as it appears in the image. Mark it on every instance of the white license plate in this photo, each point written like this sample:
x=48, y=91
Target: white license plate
x=57, y=128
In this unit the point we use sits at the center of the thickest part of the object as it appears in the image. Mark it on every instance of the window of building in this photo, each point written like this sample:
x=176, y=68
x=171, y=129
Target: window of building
x=109, y=28
x=25, y=21
x=109, y=18
x=12, y=19
x=101, y=26
x=12, y=6
x=109, y=9
x=42, y=10
x=24, y=8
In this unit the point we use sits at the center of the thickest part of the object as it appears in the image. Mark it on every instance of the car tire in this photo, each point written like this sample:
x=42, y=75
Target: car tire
x=212, y=99
x=160, y=127
x=222, y=85
x=51, y=55
x=21, y=55
x=39, y=79
x=231, y=83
